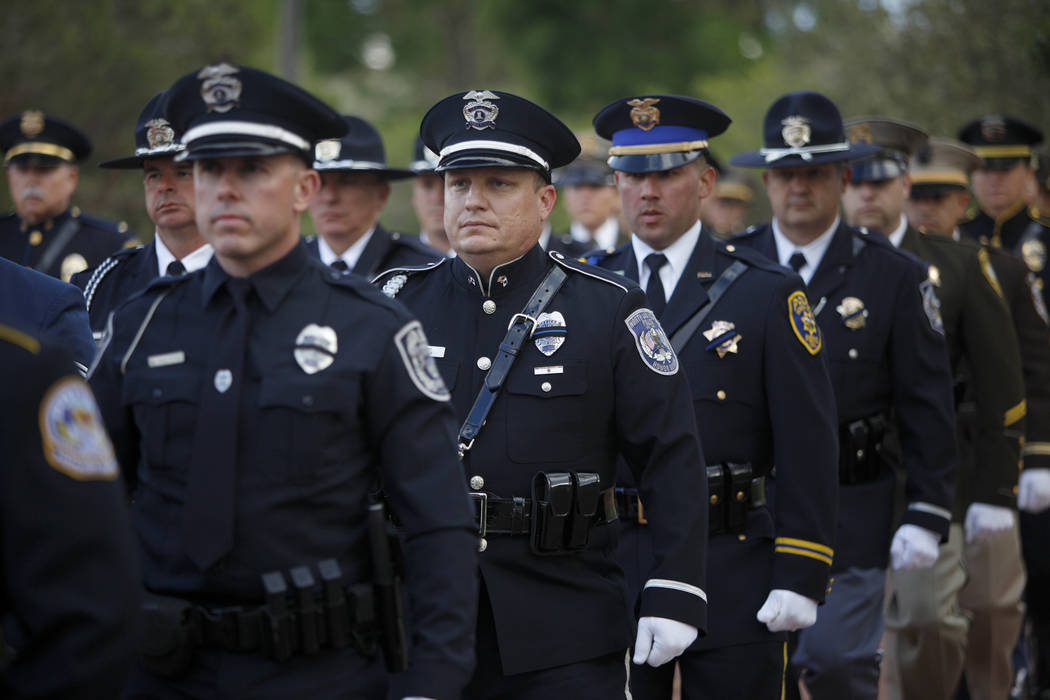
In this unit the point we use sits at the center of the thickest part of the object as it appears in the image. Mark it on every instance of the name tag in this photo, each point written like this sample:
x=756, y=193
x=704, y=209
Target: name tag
x=553, y=369
x=436, y=350
x=166, y=359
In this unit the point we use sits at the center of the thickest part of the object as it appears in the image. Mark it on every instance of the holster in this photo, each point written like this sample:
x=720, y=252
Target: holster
x=732, y=492
x=860, y=446
x=167, y=647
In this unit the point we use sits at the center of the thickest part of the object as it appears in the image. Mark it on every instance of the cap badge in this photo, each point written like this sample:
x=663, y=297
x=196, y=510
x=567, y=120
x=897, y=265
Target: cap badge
x=219, y=89
x=644, y=115
x=159, y=133
x=993, y=129
x=32, y=123
x=860, y=133
x=328, y=150
x=479, y=113
x=796, y=132
x=854, y=315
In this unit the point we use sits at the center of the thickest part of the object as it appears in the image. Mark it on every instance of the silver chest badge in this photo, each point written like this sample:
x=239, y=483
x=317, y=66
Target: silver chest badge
x=549, y=332
x=223, y=380
x=315, y=348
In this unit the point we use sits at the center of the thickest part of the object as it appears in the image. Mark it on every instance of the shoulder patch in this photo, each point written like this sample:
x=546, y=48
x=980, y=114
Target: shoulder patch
x=804, y=323
x=584, y=268
x=931, y=305
x=652, y=342
x=74, y=441
x=412, y=344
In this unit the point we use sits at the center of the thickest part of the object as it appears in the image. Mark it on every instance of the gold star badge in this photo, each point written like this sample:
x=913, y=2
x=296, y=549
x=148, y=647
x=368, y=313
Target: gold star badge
x=723, y=338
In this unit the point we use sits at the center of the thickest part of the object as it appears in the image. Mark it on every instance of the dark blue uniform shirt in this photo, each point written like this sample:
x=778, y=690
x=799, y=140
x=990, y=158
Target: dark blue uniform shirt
x=92, y=241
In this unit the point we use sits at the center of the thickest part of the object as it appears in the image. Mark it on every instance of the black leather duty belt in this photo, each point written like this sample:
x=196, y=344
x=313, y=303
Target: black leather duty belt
x=513, y=516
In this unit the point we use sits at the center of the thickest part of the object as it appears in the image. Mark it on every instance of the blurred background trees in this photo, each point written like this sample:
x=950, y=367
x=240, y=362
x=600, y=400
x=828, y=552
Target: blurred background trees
x=935, y=62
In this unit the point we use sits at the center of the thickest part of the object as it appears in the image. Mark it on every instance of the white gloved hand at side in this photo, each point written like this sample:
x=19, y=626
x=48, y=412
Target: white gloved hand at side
x=985, y=521
x=416, y=697
x=660, y=639
x=1033, y=490
x=913, y=547
x=786, y=611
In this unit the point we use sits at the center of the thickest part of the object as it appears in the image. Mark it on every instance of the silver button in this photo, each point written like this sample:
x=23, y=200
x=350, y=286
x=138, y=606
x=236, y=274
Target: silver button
x=308, y=400
x=477, y=483
x=484, y=363
x=731, y=248
x=489, y=306
x=546, y=386
x=853, y=354
x=483, y=544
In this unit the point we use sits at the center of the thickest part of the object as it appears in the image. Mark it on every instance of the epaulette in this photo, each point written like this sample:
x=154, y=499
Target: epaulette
x=598, y=255
x=584, y=268
x=397, y=276
x=750, y=256
x=104, y=268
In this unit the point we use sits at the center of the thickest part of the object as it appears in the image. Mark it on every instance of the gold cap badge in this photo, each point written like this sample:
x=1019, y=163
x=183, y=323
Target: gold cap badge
x=32, y=123
x=644, y=115
x=159, y=133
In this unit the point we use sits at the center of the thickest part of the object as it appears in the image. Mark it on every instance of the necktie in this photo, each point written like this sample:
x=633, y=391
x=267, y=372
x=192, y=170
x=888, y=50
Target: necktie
x=209, y=505
x=340, y=265
x=175, y=268
x=655, y=287
x=797, y=260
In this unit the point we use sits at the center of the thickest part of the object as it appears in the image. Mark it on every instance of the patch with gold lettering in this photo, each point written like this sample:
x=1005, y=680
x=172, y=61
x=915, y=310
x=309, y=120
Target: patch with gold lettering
x=804, y=323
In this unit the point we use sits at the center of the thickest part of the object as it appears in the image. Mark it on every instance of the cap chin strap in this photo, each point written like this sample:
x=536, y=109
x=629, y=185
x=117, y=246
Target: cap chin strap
x=805, y=153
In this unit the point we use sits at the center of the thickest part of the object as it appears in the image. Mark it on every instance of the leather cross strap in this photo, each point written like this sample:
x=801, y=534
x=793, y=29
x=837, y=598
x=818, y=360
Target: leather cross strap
x=685, y=333
x=521, y=326
x=65, y=235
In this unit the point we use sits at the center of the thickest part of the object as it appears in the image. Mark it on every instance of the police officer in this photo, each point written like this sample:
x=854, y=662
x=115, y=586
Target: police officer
x=46, y=308
x=584, y=374
x=889, y=368
x=70, y=593
x=761, y=394
x=428, y=199
x=258, y=402
x=177, y=246
x=41, y=154
x=928, y=636
x=725, y=212
x=355, y=185
x=591, y=201
x=1002, y=186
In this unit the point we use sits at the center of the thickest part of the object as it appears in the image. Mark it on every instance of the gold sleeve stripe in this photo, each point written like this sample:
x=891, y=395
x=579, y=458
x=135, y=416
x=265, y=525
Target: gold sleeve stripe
x=989, y=272
x=802, y=552
x=24, y=340
x=1041, y=449
x=823, y=549
x=1016, y=413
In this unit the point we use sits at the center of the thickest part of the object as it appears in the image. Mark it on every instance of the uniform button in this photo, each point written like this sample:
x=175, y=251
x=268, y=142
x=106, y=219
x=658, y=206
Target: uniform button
x=741, y=537
x=740, y=495
x=714, y=498
x=489, y=306
x=484, y=363
x=477, y=483
x=35, y=238
x=853, y=354
x=731, y=248
x=546, y=386
x=308, y=400
x=157, y=393
x=483, y=544
x=721, y=394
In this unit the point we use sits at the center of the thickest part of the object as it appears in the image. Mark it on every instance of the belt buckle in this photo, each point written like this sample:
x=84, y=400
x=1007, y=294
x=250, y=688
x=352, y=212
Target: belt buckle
x=481, y=508
x=641, y=511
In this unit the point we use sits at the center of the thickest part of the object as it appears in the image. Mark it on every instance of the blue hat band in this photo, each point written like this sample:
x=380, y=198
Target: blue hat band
x=659, y=139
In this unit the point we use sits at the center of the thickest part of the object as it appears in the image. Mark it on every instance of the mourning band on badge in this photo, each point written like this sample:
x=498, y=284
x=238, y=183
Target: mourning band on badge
x=412, y=344
x=652, y=343
x=315, y=348
x=931, y=305
x=550, y=332
x=73, y=438
x=723, y=338
x=803, y=322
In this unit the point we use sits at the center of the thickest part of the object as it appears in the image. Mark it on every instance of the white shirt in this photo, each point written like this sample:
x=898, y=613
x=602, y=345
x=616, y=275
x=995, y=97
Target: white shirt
x=898, y=233
x=350, y=256
x=677, y=253
x=604, y=236
x=194, y=261
x=814, y=250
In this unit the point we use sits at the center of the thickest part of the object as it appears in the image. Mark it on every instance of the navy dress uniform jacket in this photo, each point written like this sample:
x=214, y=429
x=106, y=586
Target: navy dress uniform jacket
x=92, y=241
x=386, y=249
x=577, y=410
x=896, y=365
x=70, y=593
x=310, y=447
x=1021, y=232
x=121, y=275
x=46, y=308
x=767, y=401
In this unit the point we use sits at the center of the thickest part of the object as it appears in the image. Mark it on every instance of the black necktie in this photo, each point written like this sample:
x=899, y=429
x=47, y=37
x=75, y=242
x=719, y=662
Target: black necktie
x=797, y=260
x=340, y=265
x=655, y=288
x=209, y=506
x=176, y=268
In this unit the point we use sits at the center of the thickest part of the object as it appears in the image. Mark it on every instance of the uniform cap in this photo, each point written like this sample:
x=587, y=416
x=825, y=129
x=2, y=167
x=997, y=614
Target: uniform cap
x=803, y=128
x=424, y=160
x=733, y=183
x=943, y=165
x=650, y=133
x=490, y=128
x=226, y=110
x=35, y=135
x=1000, y=140
x=898, y=140
x=584, y=171
x=154, y=136
x=360, y=150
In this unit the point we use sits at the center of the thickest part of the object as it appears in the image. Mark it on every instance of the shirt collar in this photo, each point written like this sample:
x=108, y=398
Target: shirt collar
x=603, y=237
x=271, y=284
x=678, y=253
x=192, y=262
x=504, y=278
x=814, y=250
x=898, y=233
x=350, y=256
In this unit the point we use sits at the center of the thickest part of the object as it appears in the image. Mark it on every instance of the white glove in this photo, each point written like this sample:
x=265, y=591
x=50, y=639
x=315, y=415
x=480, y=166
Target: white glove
x=1033, y=490
x=787, y=611
x=659, y=640
x=913, y=547
x=416, y=697
x=985, y=521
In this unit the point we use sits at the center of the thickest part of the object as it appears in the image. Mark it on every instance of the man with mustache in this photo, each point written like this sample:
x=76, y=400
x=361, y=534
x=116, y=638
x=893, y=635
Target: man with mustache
x=44, y=232
x=177, y=246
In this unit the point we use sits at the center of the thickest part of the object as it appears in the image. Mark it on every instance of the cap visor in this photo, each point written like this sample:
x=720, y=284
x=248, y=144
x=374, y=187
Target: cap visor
x=653, y=162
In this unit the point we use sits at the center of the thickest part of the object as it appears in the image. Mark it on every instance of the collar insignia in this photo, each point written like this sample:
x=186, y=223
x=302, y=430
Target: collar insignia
x=644, y=115
x=479, y=112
